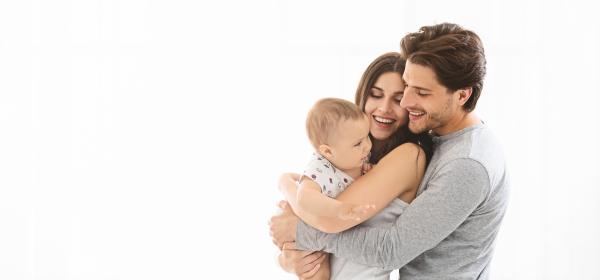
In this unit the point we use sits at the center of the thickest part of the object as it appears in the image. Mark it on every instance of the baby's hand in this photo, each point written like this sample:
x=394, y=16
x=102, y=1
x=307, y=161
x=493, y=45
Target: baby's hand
x=366, y=167
x=349, y=211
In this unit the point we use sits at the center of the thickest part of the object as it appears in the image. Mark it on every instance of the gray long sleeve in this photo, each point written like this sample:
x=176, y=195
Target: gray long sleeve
x=447, y=231
x=430, y=218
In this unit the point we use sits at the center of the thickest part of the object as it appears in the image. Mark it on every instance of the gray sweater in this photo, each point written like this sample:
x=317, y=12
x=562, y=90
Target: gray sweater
x=448, y=231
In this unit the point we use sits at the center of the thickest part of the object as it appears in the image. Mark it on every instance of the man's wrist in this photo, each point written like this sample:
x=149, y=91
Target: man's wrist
x=311, y=239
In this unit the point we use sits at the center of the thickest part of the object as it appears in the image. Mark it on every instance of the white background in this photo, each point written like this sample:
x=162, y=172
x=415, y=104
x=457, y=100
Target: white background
x=143, y=139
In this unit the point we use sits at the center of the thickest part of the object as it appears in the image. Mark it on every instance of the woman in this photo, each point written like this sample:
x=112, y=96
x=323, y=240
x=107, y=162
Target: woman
x=399, y=157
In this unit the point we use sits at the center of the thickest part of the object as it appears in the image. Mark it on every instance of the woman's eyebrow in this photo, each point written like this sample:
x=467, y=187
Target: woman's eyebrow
x=395, y=93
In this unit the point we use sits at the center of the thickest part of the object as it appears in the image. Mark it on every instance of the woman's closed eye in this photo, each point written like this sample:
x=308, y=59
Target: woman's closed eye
x=375, y=93
x=398, y=97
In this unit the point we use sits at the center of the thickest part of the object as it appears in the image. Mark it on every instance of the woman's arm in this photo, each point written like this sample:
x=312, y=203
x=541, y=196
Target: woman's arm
x=400, y=171
x=311, y=200
x=315, y=208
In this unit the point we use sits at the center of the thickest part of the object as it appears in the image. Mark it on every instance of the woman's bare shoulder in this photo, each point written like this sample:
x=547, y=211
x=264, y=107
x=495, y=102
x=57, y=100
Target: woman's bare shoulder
x=405, y=156
x=407, y=150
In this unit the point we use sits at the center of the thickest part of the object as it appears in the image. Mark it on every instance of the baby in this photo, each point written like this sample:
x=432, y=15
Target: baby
x=339, y=132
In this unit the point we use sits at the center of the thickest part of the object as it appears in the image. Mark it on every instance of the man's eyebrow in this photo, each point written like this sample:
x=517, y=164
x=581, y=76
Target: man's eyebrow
x=417, y=87
x=422, y=88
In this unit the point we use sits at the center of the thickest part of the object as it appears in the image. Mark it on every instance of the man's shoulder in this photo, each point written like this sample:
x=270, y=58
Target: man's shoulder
x=487, y=150
x=478, y=149
x=478, y=144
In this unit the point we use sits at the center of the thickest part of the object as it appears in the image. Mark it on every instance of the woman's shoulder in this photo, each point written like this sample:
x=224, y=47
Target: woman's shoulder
x=407, y=149
x=406, y=155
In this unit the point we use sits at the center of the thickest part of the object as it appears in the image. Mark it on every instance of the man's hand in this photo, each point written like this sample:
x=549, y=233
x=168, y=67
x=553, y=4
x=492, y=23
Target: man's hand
x=304, y=264
x=283, y=225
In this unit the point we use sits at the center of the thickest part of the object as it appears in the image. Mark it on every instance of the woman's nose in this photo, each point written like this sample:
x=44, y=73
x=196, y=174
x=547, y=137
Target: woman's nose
x=385, y=106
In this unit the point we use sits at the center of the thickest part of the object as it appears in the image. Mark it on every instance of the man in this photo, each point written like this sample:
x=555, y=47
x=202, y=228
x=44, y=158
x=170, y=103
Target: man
x=448, y=231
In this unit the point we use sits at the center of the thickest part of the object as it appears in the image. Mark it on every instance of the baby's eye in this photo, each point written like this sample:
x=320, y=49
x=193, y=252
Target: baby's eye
x=358, y=144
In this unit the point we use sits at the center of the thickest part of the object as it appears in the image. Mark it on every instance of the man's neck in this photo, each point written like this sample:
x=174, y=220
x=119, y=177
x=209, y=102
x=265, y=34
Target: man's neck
x=459, y=123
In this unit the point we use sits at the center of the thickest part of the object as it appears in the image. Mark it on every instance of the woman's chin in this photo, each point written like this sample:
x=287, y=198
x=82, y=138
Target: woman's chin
x=380, y=136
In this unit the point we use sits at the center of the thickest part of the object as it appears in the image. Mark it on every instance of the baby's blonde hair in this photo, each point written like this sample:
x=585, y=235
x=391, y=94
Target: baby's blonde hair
x=325, y=116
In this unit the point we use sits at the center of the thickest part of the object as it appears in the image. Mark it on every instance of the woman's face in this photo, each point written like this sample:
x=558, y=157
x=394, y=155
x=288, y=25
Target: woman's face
x=383, y=105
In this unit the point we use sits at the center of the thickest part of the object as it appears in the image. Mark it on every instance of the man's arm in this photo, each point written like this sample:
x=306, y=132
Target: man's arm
x=454, y=193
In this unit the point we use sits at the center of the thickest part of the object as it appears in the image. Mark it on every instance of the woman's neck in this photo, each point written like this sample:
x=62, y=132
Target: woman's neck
x=377, y=144
x=376, y=150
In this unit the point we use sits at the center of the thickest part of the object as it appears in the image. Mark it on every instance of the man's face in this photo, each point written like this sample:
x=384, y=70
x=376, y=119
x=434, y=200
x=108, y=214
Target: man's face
x=430, y=105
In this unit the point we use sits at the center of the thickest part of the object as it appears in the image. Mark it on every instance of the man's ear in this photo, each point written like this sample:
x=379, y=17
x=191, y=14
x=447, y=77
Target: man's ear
x=326, y=151
x=464, y=94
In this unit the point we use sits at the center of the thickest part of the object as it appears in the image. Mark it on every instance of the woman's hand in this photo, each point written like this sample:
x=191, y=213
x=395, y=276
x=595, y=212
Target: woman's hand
x=348, y=211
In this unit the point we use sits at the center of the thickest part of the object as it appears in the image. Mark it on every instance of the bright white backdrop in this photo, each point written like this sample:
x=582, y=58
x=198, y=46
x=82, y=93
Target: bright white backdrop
x=142, y=139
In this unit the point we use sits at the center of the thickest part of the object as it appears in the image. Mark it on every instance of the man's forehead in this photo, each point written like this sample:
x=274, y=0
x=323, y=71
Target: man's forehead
x=419, y=75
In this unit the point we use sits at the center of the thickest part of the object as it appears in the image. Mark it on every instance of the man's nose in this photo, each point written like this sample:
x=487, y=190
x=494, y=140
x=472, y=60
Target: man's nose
x=407, y=98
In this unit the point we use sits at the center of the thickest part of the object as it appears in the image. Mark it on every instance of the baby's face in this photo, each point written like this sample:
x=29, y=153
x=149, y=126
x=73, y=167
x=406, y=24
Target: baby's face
x=351, y=144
